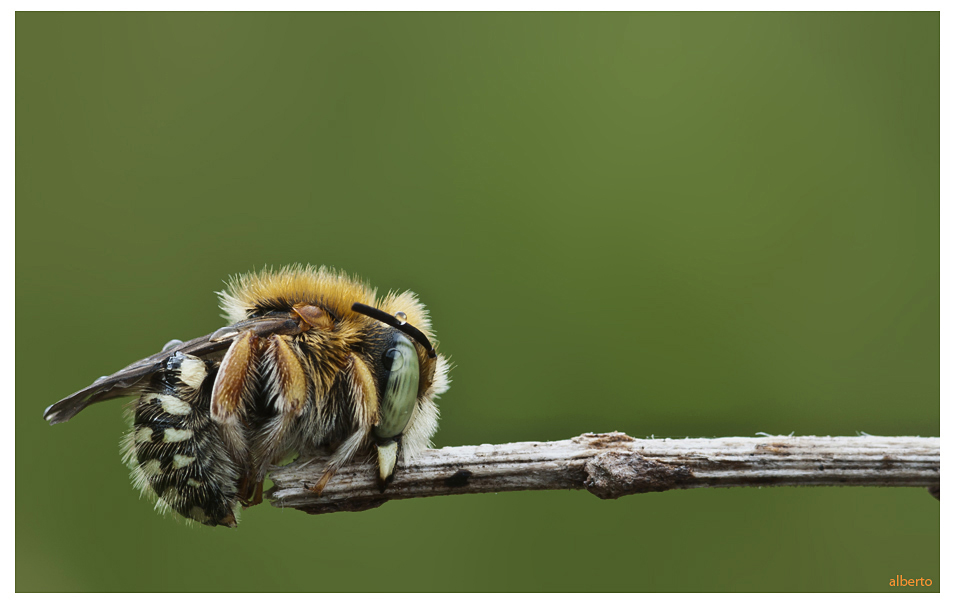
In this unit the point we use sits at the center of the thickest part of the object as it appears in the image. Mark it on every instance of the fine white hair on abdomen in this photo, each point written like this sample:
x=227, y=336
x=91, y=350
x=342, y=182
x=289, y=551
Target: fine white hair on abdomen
x=175, y=450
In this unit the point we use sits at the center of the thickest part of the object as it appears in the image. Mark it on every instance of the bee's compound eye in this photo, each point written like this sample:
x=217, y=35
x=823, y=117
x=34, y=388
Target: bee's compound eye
x=401, y=387
x=393, y=360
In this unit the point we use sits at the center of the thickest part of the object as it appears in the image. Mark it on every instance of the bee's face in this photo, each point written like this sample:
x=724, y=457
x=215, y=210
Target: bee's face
x=310, y=361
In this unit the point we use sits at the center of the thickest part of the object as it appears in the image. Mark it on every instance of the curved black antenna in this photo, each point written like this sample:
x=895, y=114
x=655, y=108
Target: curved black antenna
x=402, y=326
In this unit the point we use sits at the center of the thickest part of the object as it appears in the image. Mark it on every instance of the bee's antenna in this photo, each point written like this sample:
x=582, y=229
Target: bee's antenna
x=399, y=322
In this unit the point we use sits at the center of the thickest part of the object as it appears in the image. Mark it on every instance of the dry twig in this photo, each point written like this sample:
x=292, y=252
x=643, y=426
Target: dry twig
x=611, y=465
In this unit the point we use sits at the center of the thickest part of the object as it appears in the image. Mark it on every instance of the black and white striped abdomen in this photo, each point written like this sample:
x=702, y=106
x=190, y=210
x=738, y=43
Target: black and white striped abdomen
x=176, y=451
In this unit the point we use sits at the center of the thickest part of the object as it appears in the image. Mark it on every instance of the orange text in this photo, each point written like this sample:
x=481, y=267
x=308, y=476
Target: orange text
x=900, y=581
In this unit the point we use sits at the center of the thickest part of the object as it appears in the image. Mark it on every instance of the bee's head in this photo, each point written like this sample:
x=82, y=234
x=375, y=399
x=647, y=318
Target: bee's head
x=401, y=379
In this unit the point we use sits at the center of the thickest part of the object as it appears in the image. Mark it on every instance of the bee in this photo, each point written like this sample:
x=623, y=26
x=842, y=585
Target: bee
x=310, y=361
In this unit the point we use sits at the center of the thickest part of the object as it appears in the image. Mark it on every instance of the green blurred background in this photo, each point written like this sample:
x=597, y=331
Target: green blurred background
x=663, y=224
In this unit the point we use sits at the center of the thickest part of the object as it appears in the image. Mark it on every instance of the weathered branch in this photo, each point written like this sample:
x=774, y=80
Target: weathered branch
x=613, y=464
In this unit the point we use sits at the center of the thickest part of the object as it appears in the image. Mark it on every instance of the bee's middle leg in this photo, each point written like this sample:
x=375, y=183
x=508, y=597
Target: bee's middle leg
x=343, y=454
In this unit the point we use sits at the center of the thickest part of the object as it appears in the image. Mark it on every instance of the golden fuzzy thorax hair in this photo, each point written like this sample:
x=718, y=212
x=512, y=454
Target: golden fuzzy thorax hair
x=334, y=290
x=254, y=294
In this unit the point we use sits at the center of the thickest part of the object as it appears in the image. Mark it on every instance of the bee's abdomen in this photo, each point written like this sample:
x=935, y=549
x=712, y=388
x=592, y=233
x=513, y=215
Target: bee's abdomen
x=177, y=451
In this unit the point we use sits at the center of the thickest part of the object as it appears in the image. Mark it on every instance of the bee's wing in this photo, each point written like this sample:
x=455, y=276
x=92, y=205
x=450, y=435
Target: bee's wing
x=130, y=380
x=126, y=382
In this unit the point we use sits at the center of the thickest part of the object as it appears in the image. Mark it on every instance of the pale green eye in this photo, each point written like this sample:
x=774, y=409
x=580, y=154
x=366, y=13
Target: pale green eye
x=401, y=388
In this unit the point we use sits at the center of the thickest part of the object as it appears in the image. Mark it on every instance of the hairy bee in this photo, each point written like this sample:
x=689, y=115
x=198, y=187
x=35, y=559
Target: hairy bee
x=311, y=361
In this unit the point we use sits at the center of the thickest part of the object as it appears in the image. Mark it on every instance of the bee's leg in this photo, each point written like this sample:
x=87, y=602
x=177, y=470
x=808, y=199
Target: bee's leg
x=232, y=391
x=364, y=410
x=289, y=393
x=233, y=386
x=234, y=379
x=258, y=495
x=287, y=376
x=248, y=486
x=243, y=488
x=251, y=491
x=341, y=456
